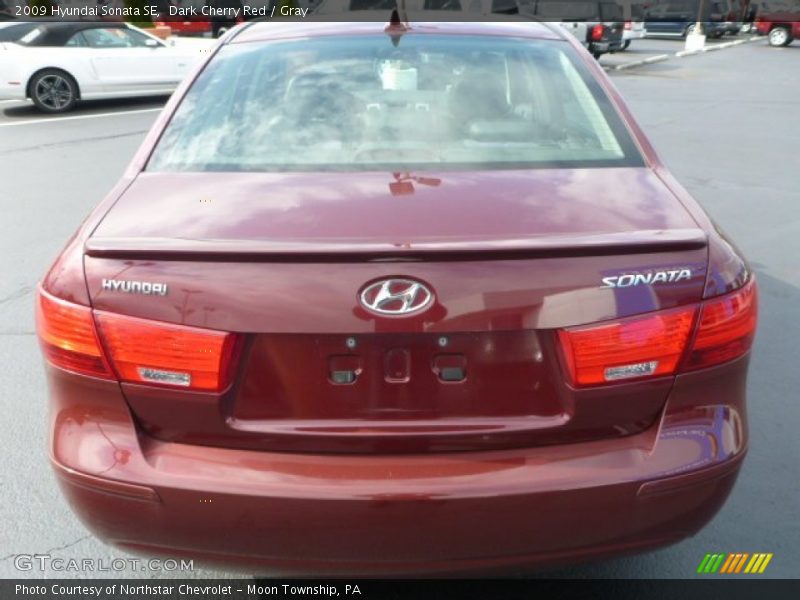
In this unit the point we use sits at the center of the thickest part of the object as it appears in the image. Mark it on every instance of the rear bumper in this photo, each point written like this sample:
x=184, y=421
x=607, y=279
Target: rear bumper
x=634, y=34
x=396, y=514
x=715, y=28
x=598, y=47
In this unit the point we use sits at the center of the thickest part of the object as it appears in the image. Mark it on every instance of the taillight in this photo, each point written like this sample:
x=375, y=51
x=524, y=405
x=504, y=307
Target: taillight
x=149, y=352
x=655, y=344
x=103, y=344
x=68, y=337
x=597, y=32
x=628, y=348
x=628, y=25
x=726, y=329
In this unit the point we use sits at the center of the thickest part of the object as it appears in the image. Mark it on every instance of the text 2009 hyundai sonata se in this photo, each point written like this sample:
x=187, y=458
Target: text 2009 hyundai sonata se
x=408, y=303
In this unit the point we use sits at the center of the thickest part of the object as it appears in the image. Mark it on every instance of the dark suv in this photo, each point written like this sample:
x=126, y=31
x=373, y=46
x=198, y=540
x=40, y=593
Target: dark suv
x=679, y=18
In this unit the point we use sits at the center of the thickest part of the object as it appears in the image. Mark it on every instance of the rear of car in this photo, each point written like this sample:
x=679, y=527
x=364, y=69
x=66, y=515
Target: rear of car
x=9, y=88
x=598, y=26
x=181, y=26
x=634, y=27
x=634, y=30
x=397, y=305
x=183, y=17
x=13, y=68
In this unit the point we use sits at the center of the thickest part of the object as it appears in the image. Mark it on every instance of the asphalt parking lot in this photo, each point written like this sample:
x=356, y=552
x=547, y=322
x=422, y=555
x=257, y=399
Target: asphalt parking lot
x=727, y=124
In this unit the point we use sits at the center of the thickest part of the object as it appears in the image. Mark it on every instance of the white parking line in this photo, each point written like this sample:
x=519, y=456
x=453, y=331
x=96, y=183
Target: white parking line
x=79, y=117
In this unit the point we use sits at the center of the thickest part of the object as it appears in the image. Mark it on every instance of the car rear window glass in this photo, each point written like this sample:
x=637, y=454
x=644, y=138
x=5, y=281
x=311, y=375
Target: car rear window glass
x=362, y=103
x=30, y=36
x=77, y=40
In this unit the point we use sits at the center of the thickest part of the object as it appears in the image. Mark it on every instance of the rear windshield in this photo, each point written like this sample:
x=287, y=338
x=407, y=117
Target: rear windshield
x=30, y=36
x=362, y=103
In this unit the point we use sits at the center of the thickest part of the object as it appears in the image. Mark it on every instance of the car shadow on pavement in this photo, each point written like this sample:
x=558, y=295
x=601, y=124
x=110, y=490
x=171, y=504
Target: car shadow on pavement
x=28, y=111
x=793, y=46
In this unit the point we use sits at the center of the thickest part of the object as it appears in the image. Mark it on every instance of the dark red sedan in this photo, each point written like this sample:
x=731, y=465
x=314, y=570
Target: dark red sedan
x=414, y=300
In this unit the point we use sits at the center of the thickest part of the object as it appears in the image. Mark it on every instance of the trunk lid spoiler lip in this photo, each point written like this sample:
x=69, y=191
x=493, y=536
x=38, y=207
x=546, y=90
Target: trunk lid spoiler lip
x=551, y=245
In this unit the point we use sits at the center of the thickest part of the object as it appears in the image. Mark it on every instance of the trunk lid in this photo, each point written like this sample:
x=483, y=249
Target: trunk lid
x=282, y=258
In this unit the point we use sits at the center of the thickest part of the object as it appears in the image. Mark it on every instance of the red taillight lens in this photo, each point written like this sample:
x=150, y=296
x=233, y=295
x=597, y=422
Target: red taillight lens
x=627, y=349
x=139, y=350
x=597, y=33
x=68, y=337
x=628, y=25
x=726, y=329
x=143, y=351
x=653, y=344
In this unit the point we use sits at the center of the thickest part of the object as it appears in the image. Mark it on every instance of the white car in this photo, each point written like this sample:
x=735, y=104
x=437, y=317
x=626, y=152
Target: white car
x=58, y=64
x=634, y=30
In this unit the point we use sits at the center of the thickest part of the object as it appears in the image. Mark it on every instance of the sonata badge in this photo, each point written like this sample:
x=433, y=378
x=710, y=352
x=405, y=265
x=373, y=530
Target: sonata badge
x=651, y=278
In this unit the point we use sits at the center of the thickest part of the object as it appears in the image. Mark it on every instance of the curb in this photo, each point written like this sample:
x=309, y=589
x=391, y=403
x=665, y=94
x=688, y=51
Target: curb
x=645, y=61
x=681, y=54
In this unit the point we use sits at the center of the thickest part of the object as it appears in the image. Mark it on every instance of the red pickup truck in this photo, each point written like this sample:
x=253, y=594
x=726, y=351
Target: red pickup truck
x=782, y=27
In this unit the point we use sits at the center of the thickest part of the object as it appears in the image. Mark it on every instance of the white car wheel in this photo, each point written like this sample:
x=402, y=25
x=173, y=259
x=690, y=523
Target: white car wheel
x=53, y=91
x=779, y=36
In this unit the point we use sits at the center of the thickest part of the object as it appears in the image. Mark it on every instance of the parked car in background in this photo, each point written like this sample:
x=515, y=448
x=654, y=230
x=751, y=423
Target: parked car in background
x=199, y=24
x=634, y=30
x=455, y=8
x=751, y=9
x=678, y=18
x=633, y=16
x=182, y=24
x=185, y=26
x=780, y=21
x=221, y=23
x=597, y=25
x=582, y=18
x=733, y=16
x=57, y=64
x=397, y=301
